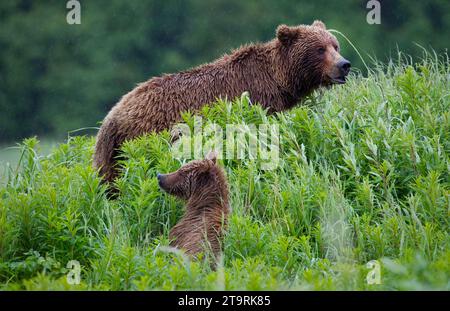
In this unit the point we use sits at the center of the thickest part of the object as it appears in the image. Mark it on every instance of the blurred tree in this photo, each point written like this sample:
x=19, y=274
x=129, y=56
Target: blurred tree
x=56, y=77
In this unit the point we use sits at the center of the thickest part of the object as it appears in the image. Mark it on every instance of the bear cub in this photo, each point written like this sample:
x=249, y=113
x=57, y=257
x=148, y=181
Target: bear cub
x=203, y=185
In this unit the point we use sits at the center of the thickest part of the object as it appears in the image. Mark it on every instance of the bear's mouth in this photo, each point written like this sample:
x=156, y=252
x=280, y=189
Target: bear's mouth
x=338, y=80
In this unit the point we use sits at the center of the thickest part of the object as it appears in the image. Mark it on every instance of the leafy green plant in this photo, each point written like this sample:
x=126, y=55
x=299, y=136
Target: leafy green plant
x=363, y=175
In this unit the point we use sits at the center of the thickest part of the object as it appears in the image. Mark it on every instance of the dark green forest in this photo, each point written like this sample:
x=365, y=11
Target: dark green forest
x=56, y=77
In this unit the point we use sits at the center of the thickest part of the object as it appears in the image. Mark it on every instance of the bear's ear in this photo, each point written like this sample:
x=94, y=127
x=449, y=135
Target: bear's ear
x=319, y=24
x=212, y=155
x=286, y=34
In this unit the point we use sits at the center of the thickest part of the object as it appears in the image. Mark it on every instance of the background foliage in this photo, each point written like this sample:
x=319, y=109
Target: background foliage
x=55, y=77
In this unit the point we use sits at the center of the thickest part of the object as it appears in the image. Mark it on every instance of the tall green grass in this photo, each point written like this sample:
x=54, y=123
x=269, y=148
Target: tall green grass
x=363, y=175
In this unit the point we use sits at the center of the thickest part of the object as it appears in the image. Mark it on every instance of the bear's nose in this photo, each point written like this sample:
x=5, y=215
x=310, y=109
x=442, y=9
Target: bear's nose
x=160, y=178
x=344, y=66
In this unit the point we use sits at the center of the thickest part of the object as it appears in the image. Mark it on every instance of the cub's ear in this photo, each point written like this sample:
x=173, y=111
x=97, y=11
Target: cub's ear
x=319, y=24
x=286, y=34
x=212, y=155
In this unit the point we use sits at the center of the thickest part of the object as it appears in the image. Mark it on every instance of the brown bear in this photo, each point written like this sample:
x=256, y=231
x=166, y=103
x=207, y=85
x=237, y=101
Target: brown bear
x=277, y=74
x=202, y=183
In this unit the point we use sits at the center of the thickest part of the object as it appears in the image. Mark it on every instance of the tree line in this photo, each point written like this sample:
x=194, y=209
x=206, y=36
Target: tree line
x=56, y=77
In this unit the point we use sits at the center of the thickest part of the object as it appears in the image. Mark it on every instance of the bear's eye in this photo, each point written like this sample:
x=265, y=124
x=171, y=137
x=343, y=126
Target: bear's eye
x=321, y=51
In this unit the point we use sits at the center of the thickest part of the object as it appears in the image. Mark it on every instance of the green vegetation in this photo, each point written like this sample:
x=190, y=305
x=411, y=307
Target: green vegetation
x=56, y=77
x=363, y=175
x=10, y=155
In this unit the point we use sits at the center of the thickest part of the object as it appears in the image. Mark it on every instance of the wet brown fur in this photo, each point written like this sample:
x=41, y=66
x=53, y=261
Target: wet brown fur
x=277, y=74
x=204, y=187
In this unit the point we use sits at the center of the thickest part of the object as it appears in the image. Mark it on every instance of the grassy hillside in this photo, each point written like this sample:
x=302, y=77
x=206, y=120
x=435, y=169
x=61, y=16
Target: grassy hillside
x=363, y=175
x=10, y=155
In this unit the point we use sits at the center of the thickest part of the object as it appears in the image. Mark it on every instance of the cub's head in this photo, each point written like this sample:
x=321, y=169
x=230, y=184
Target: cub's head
x=193, y=177
x=311, y=57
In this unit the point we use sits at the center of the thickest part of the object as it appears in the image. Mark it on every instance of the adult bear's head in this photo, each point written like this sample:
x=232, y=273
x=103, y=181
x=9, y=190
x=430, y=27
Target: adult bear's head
x=309, y=57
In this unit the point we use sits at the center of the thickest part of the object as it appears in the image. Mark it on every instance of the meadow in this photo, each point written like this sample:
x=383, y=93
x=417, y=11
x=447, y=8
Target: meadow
x=363, y=175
